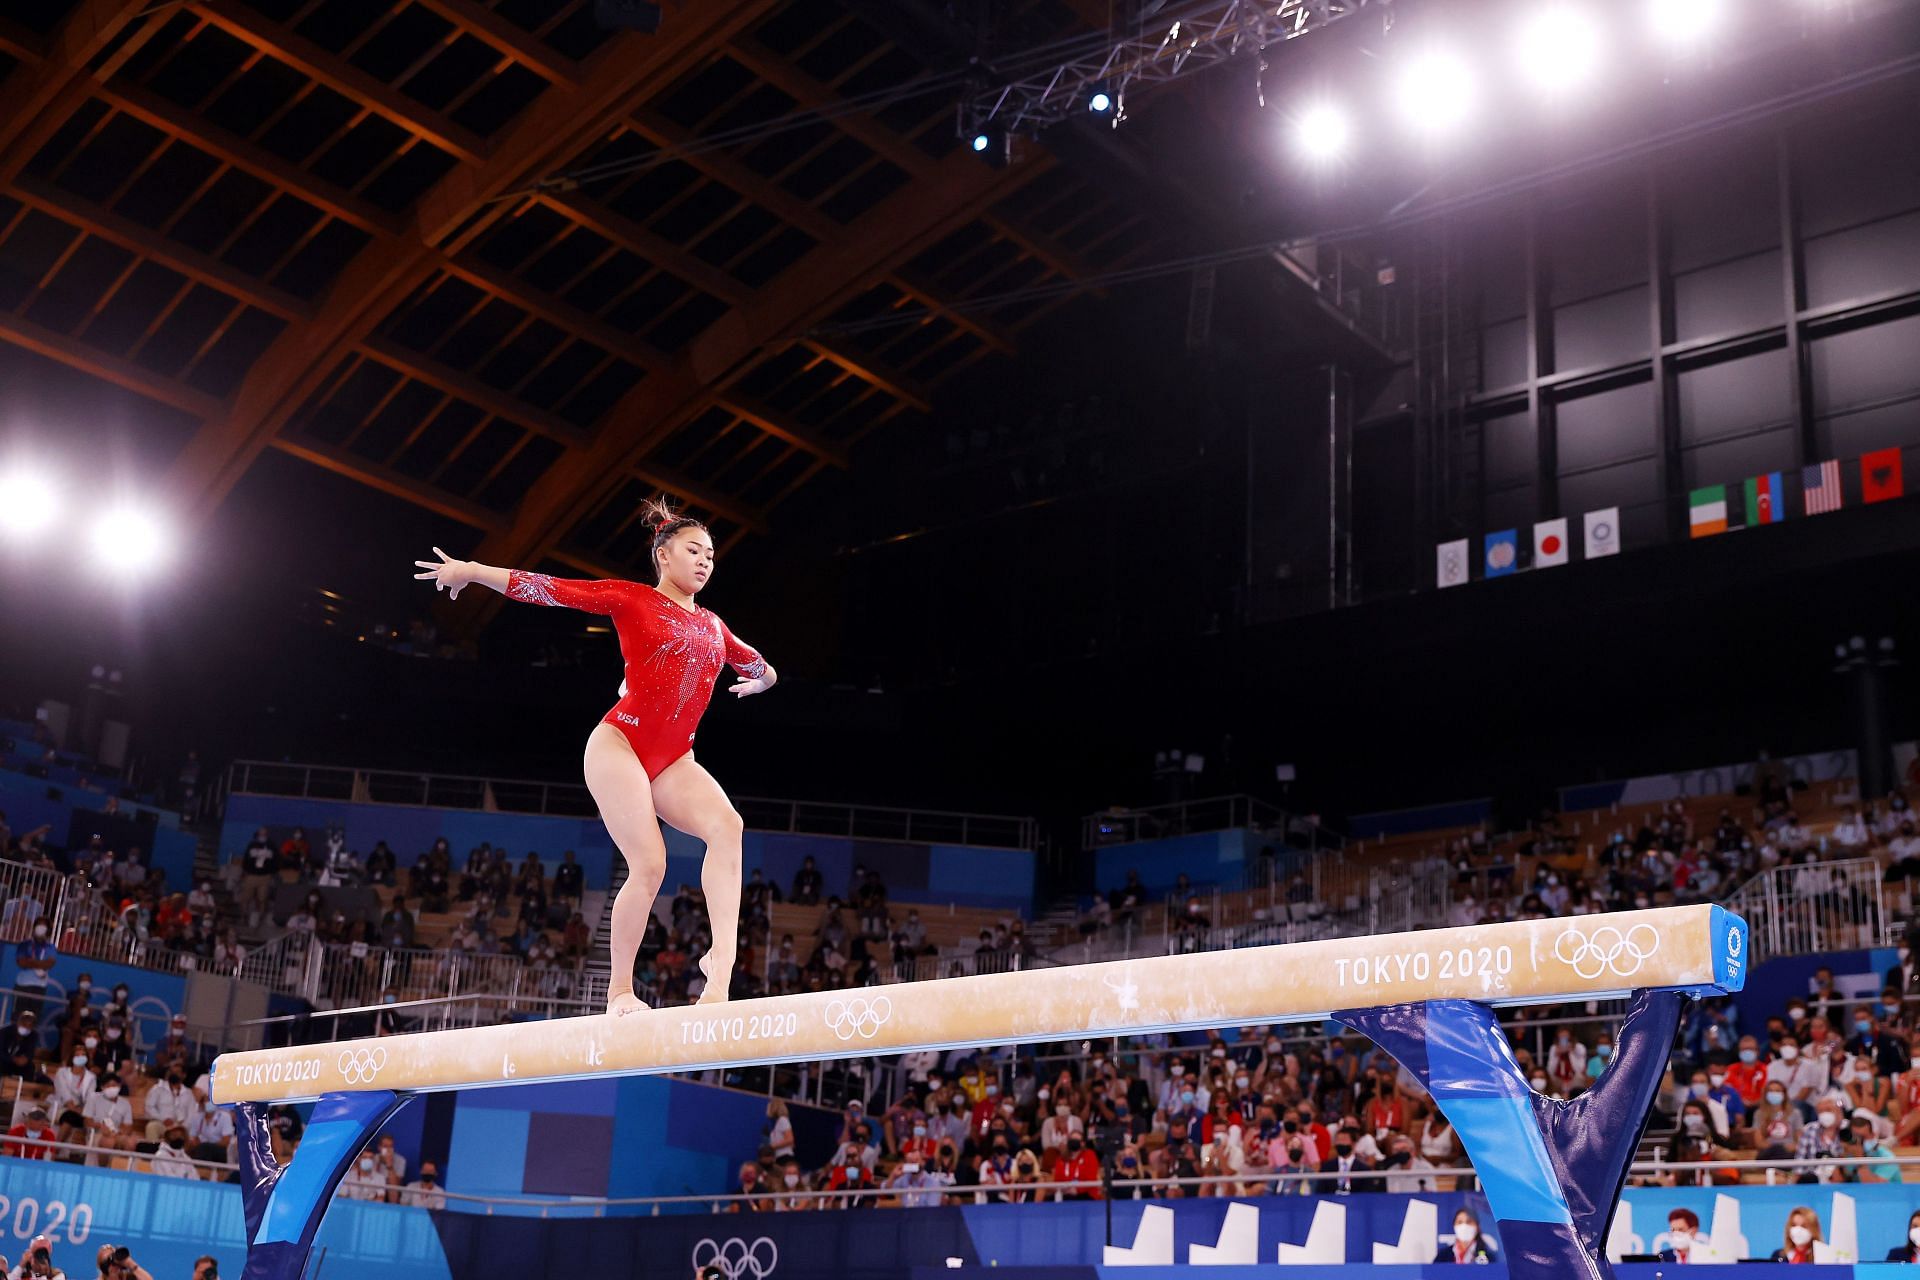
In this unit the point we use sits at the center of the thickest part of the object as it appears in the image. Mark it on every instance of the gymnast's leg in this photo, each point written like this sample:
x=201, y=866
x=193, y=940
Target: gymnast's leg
x=689, y=799
x=625, y=797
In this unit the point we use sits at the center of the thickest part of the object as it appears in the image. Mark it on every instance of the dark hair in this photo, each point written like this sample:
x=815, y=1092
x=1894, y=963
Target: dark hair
x=1687, y=1216
x=666, y=523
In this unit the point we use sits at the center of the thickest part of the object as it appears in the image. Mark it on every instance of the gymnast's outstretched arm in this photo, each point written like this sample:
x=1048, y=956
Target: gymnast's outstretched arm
x=599, y=595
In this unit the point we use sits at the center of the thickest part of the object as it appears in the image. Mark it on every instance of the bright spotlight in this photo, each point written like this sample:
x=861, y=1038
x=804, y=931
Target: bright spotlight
x=1559, y=48
x=1685, y=22
x=1436, y=91
x=28, y=503
x=981, y=142
x=1100, y=102
x=128, y=540
x=1321, y=133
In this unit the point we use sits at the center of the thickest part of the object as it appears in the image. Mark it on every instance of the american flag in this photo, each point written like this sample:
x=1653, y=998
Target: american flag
x=1821, y=485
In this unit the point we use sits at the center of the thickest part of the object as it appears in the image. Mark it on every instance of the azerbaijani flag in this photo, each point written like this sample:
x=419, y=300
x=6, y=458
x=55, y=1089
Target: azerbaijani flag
x=1707, y=510
x=1766, y=500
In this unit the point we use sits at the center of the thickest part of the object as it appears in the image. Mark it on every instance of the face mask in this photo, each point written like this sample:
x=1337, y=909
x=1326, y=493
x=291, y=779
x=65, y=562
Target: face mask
x=992, y=1089
x=1604, y=1052
x=1343, y=1149
x=366, y=1164
x=79, y=1059
x=1063, y=1111
x=1717, y=1081
x=1914, y=1235
x=1749, y=1055
x=112, y=1091
x=40, y=932
x=113, y=1033
x=1828, y=1120
x=1538, y=1082
x=85, y=985
x=1796, y=1013
x=1186, y=1098
x=919, y=1131
x=1240, y=1082
x=1789, y=1051
x=1680, y=1240
x=1045, y=1094
x=1800, y=1235
x=1861, y=1026
x=1775, y=1098
x=1697, y=1089
x=1176, y=1071
x=1694, y=1123
x=93, y=1042
x=793, y=1179
x=1465, y=1232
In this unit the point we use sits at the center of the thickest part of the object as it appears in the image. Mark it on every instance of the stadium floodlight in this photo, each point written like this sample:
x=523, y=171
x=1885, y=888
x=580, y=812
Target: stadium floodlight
x=1685, y=23
x=128, y=540
x=1322, y=132
x=29, y=502
x=1436, y=91
x=1559, y=47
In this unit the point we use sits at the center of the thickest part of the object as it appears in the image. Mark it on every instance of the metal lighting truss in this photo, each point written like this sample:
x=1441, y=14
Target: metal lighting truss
x=1169, y=46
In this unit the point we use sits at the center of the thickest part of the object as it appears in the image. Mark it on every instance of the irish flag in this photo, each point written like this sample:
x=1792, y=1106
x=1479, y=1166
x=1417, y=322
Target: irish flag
x=1708, y=510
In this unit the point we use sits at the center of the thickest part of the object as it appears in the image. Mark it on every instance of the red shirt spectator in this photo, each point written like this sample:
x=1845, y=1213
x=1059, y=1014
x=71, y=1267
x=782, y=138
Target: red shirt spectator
x=1078, y=1164
x=983, y=1110
x=30, y=1129
x=1748, y=1079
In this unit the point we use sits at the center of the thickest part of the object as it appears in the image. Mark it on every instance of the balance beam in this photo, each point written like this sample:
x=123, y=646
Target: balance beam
x=1696, y=949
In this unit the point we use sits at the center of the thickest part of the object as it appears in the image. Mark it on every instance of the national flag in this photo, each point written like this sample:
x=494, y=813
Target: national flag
x=1707, y=510
x=1880, y=475
x=1820, y=487
x=1502, y=552
x=1550, y=543
x=1603, y=533
x=1451, y=563
x=1766, y=500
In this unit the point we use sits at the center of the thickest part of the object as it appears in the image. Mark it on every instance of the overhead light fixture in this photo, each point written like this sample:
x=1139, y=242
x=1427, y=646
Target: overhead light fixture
x=1321, y=132
x=1100, y=101
x=127, y=540
x=29, y=502
x=1436, y=91
x=1559, y=47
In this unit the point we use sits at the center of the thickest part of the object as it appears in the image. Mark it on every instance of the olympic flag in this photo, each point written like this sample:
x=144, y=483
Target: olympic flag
x=1696, y=948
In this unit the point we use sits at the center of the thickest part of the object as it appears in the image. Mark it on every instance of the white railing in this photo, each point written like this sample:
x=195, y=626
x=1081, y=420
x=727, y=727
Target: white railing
x=32, y=896
x=1818, y=906
x=507, y=795
x=1129, y=825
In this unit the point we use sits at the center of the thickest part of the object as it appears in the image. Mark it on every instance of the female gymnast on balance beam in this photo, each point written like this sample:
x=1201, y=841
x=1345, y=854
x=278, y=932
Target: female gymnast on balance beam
x=639, y=761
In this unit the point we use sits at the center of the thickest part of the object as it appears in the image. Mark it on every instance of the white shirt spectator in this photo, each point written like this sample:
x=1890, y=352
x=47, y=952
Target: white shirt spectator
x=1904, y=846
x=72, y=1087
x=421, y=1196
x=1805, y=1072
x=1851, y=832
x=1056, y=1129
x=363, y=1182
x=1415, y=1175
x=919, y=1064
x=392, y=1166
x=171, y=1163
x=171, y=1104
x=213, y=1125
x=116, y=1114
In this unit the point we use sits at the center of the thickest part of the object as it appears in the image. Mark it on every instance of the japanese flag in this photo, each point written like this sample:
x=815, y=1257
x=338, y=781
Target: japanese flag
x=1550, y=543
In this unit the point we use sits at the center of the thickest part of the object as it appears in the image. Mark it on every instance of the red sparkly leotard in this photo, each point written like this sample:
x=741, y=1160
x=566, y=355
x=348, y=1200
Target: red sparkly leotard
x=672, y=655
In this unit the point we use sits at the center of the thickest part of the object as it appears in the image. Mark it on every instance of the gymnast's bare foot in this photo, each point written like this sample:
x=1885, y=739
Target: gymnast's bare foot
x=715, y=992
x=622, y=1003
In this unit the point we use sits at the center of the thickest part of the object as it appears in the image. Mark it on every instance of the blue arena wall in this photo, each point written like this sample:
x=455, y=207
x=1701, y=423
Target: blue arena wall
x=169, y=1222
x=914, y=873
x=1205, y=858
x=75, y=812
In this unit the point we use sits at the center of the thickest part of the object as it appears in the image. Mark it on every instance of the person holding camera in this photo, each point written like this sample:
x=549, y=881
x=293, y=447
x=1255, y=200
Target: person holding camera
x=116, y=1263
x=205, y=1268
x=37, y=1262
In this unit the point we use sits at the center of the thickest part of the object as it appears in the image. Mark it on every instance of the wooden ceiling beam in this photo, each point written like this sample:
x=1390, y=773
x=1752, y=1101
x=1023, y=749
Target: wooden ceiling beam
x=36, y=99
x=390, y=482
x=464, y=386
x=176, y=121
x=782, y=426
x=953, y=193
x=494, y=31
x=336, y=73
x=171, y=254
x=64, y=349
x=458, y=209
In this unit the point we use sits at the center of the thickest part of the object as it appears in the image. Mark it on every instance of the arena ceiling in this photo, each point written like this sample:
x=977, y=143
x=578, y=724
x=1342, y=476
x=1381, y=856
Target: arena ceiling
x=341, y=229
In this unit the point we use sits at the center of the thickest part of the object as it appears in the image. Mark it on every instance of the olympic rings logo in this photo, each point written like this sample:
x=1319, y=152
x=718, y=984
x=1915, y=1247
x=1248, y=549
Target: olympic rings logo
x=360, y=1066
x=1608, y=950
x=737, y=1259
x=858, y=1017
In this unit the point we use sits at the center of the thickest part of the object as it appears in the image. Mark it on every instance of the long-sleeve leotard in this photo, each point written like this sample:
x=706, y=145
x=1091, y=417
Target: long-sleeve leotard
x=672, y=655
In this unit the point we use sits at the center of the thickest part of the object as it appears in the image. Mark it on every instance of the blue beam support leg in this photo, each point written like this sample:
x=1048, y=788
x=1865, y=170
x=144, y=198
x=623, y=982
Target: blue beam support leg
x=285, y=1203
x=1551, y=1170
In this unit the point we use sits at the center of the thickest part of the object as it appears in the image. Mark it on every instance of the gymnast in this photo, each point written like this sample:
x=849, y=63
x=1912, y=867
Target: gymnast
x=639, y=759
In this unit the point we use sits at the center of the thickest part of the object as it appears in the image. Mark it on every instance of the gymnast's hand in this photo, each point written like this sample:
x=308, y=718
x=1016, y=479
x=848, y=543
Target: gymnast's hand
x=759, y=684
x=449, y=575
